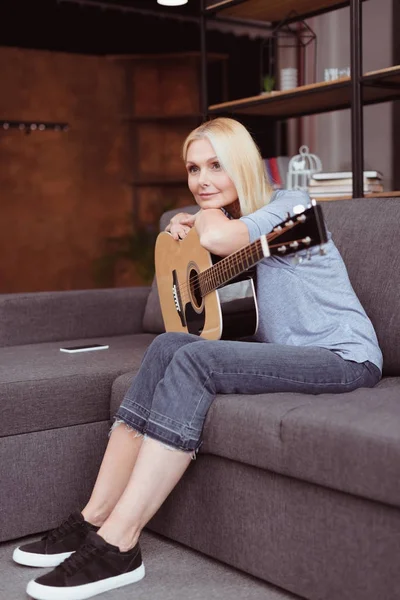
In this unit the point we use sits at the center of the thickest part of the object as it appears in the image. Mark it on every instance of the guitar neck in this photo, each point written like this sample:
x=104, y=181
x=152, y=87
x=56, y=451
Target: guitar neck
x=302, y=231
x=233, y=265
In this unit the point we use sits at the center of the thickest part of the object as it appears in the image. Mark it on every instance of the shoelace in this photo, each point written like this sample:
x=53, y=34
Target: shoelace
x=79, y=559
x=63, y=529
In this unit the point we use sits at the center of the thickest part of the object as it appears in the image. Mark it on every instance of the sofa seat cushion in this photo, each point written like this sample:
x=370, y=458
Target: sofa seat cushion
x=43, y=388
x=348, y=442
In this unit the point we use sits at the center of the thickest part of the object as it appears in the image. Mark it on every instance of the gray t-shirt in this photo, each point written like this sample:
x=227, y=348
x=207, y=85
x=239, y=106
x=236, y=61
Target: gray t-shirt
x=312, y=302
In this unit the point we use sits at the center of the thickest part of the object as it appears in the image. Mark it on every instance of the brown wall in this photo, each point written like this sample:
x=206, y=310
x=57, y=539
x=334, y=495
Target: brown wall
x=62, y=194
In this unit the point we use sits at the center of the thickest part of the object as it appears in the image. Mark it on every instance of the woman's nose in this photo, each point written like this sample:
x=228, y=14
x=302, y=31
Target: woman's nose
x=203, y=178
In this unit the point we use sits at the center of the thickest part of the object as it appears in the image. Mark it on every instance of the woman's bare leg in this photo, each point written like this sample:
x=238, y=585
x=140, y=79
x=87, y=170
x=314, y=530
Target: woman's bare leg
x=115, y=471
x=156, y=472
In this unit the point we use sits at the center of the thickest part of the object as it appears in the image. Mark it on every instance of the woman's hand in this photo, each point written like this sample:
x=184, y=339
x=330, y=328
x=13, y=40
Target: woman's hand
x=180, y=225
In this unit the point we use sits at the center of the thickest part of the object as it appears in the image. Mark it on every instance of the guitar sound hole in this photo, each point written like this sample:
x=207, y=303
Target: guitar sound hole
x=195, y=288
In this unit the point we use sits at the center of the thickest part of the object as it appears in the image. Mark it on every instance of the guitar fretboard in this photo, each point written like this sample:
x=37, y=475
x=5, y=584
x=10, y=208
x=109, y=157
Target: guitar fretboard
x=230, y=267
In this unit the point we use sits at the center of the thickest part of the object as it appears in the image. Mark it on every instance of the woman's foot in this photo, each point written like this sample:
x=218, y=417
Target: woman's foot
x=56, y=545
x=96, y=567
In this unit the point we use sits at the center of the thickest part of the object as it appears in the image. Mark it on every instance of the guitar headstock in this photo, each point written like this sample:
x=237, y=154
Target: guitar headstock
x=300, y=232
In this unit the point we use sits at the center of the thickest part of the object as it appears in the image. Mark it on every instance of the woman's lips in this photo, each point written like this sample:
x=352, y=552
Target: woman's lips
x=208, y=195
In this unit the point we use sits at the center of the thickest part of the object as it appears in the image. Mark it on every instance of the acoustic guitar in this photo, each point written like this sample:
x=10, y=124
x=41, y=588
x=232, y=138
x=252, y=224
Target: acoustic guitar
x=215, y=297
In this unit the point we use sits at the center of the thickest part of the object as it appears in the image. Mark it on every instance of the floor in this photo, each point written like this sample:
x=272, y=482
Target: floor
x=174, y=572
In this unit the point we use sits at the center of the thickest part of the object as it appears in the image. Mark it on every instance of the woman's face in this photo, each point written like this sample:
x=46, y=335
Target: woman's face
x=207, y=180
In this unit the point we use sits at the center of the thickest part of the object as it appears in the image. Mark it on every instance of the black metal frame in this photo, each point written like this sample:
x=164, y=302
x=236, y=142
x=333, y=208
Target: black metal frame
x=357, y=112
x=396, y=105
x=357, y=124
x=284, y=31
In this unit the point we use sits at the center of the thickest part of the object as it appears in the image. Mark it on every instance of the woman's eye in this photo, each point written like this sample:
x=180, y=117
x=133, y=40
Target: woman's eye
x=192, y=169
x=216, y=166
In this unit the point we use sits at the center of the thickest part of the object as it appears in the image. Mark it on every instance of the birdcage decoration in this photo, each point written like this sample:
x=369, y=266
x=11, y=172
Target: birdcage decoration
x=301, y=168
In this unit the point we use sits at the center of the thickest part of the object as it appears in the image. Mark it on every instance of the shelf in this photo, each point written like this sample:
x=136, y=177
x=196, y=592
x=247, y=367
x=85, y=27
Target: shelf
x=272, y=10
x=383, y=84
x=372, y=195
x=305, y=100
x=325, y=96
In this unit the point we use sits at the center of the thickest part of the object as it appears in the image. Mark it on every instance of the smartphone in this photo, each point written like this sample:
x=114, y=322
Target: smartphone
x=87, y=348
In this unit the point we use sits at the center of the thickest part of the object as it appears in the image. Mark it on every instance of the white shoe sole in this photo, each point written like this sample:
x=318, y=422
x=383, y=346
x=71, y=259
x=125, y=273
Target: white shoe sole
x=29, y=559
x=80, y=592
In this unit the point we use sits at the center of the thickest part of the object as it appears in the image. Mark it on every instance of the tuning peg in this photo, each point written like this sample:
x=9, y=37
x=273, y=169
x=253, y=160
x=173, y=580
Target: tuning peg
x=322, y=251
x=298, y=209
x=282, y=249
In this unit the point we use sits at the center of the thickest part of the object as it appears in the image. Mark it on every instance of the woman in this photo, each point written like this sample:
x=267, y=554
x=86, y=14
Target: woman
x=313, y=337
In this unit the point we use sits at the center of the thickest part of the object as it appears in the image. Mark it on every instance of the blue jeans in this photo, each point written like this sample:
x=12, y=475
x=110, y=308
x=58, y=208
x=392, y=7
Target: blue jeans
x=181, y=374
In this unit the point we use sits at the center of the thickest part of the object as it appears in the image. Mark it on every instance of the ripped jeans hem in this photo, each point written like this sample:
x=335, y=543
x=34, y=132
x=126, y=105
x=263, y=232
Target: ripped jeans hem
x=145, y=436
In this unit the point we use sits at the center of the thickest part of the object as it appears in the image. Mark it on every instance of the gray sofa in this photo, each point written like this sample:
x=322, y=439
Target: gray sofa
x=302, y=491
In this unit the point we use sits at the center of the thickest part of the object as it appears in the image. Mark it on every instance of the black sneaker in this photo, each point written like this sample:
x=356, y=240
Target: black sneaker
x=56, y=545
x=95, y=568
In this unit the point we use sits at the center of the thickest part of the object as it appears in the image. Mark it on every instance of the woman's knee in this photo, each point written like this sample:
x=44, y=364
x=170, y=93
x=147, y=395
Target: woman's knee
x=193, y=358
x=165, y=345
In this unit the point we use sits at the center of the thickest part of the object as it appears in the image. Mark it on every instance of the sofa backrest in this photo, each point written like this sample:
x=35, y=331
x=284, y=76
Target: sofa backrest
x=367, y=233
x=67, y=315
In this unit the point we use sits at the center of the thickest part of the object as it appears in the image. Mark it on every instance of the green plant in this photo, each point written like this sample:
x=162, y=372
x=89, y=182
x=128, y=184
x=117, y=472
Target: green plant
x=268, y=83
x=136, y=247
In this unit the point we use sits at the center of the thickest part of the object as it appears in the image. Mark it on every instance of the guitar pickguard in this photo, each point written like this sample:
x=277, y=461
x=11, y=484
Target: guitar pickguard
x=194, y=320
x=239, y=309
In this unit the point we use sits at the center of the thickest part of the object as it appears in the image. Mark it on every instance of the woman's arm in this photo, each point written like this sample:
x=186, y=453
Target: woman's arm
x=220, y=235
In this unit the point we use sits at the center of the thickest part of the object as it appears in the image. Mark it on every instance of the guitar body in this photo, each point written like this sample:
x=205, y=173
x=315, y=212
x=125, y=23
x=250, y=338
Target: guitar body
x=227, y=313
x=214, y=297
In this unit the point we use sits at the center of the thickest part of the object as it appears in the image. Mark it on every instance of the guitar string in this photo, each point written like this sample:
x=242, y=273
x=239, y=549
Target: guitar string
x=185, y=294
x=243, y=255
x=186, y=286
x=240, y=254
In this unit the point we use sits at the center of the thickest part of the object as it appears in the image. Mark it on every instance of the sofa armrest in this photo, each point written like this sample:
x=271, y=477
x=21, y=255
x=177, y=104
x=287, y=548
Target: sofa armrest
x=58, y=316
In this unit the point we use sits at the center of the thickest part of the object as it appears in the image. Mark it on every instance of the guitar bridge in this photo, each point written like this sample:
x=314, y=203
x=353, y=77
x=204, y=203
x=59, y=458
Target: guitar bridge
x=177, y=298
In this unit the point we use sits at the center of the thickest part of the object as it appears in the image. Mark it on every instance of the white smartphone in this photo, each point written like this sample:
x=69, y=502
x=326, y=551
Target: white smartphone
x=88, y=348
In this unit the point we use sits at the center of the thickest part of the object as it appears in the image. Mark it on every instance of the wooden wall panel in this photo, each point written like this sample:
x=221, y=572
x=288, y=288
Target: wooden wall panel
x=159, y=150
x=154, y=201
x=60, y=193
x=162, y=86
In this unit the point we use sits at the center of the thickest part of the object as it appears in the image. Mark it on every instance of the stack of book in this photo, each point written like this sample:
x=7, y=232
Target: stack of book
x=277, y=170
x=335, y=185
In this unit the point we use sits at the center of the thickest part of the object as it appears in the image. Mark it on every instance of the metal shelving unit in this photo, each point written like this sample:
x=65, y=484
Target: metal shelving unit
x=350, y=92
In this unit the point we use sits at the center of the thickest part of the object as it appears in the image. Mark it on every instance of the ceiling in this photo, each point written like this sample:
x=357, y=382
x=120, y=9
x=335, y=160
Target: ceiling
x=97, y=26
x=109, y=26
x=102, y=27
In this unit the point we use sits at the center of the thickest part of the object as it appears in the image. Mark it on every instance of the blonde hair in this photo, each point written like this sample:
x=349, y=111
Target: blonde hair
x=240, y=158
